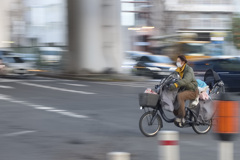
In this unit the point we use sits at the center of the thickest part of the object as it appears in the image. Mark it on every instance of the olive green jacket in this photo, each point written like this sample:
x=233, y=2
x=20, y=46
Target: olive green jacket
x=188, y=80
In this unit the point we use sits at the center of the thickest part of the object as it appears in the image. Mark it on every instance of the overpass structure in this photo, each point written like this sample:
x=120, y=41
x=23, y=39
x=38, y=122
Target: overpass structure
x=94, y=36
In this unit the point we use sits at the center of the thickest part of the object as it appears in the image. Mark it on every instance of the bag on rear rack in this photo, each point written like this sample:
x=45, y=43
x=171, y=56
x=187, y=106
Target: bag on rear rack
x=205, y=110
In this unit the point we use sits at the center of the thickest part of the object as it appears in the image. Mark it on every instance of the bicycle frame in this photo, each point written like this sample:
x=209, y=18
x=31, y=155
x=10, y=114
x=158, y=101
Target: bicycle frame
x=163, y=115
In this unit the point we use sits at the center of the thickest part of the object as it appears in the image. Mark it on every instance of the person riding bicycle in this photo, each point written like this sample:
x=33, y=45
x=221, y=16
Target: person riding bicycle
x=188, y=85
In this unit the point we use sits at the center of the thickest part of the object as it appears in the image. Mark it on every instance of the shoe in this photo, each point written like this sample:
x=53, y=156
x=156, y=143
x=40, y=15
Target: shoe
x=177, y=122
x=183, y=121
x=177, y=119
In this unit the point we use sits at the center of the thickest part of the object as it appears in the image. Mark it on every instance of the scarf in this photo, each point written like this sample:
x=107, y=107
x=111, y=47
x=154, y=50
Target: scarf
x=180, y=70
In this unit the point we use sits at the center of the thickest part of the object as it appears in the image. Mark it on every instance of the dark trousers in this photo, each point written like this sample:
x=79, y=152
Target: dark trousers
x=182, y=97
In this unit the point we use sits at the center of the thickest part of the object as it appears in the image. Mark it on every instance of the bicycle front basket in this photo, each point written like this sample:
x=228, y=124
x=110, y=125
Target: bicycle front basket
x=148, y=99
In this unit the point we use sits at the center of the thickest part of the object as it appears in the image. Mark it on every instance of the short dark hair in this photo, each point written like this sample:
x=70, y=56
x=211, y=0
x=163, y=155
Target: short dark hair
x=183, y=58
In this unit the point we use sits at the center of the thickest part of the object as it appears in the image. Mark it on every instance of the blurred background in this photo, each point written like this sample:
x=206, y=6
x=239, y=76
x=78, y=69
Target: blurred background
x=48, y=32
x=120, y=37
x=131, y=44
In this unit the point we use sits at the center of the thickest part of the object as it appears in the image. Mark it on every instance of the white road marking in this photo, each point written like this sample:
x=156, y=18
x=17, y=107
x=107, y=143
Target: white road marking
x=72, y=114
x=31, y=80
x=8, y=80
x=58, y=79
x=4, y=97
x=56, y=110
x=66, y=80
x=77, y=85
x=35, y=105
x=41, y=107
x=55, y=88
x=6, y=87
x=15, y=101
x=154, y=80
x=43, y=80
x=17, y=133
x=130, y=84
x=120, y=84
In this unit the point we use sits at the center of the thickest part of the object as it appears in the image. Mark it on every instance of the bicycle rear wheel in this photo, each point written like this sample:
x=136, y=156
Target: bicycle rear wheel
x=202, y=128
x=150, y=124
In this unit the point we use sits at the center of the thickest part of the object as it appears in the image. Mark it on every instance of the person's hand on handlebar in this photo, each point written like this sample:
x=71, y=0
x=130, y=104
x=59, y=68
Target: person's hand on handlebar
x=172, y=87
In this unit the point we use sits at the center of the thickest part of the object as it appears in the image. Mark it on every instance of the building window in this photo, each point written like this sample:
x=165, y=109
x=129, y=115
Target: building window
x=185, y=1
x=227, y=24
x=184, y=24
x=206, y=23
x=226, y=1
x=181, y=24
x=206, y=20
x=205, y=1
x=194, y=15
x=214, y=23
x=195, y=23
x=218, y=23
x=184, y=21
x=196, y=1
x=181, y=1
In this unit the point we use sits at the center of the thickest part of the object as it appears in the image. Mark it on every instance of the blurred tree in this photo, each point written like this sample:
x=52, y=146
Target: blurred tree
x=236, y=31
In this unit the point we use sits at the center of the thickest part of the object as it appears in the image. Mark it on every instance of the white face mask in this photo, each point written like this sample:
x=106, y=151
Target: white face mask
x=179, y=64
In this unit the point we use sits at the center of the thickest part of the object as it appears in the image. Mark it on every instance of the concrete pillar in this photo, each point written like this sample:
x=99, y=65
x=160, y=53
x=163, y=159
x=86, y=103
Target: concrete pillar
x=5, y=25
x=94, y=36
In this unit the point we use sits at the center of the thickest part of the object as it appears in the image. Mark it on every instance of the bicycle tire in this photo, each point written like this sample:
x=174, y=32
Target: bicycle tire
x=142, y=120
x=196, y=129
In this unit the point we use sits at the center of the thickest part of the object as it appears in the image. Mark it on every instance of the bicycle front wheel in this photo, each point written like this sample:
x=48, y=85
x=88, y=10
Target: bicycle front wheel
x=150, y=124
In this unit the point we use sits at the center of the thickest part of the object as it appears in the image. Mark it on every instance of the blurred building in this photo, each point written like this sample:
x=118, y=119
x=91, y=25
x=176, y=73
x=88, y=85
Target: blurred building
x=161, y=19
x=46, y=22
x=17, y=25
x=38, y=23
x=209, y=20
x=136, y=24
x=200, y=16
x=90, y=30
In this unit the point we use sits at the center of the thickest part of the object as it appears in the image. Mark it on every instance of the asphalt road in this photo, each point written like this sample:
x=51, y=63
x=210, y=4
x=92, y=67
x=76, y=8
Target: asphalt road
x=54, y=119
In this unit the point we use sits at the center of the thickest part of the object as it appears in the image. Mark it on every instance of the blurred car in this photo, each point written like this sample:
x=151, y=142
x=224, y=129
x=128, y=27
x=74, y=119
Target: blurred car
x=155, y=66
x=27, y=57
x=16, y=66
x=135, y=55
x=50, y=55
x=130, y=60
x=228, y=69
x=5, y=51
